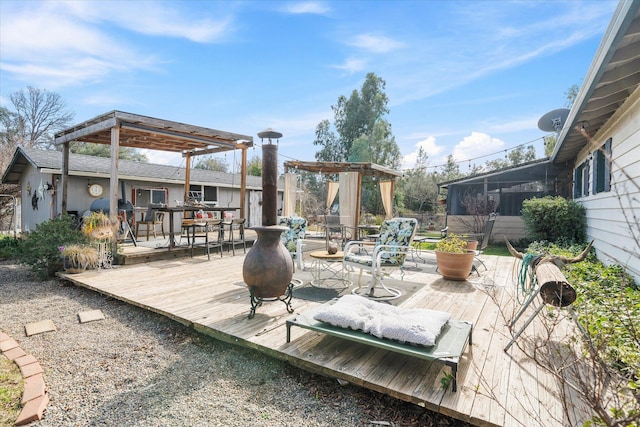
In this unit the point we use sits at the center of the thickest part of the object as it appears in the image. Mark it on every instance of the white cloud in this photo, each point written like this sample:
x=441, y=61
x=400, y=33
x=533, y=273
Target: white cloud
x=152, y=17
x=351, y=65
x=44, y=46
x=311, y=7
x=55, y=44
x=475, y=146
x=429, y=146
x=163, y=157
x=375, y=44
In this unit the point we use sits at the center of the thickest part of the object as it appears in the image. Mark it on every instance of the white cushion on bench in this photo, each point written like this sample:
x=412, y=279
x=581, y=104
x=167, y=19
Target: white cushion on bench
x=415, y=326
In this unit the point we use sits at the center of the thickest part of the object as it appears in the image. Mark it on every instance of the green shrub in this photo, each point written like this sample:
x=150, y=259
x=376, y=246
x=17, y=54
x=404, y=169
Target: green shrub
x=607, y=305
x=41, y=247
x=555, y=219
x=9, y=247
x=608, y=309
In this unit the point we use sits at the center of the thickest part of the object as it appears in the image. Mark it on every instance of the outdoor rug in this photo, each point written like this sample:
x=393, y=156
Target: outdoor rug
x=318, y=294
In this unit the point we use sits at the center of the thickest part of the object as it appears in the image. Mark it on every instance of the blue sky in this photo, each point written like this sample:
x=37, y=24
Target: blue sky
x=467, y=78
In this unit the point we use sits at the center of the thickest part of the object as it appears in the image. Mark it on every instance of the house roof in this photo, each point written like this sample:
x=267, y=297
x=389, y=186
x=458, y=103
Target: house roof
x=537, y=170
x=613, y=76
x=139, y=131
x=81, y=165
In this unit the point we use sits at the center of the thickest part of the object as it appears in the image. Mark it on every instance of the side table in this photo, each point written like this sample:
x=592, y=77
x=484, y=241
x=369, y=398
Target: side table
x=324, y=274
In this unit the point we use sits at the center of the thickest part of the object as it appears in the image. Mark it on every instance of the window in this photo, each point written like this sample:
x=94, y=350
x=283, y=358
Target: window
x=602, y=168
x=581, y=180
x=210, y=194
x=577, y=181
x=203, y=193
x=144, y=196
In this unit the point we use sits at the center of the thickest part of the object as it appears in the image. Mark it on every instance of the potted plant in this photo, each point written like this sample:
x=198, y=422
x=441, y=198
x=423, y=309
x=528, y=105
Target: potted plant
x=77, y=258
x=454, y=259
x=99, y=226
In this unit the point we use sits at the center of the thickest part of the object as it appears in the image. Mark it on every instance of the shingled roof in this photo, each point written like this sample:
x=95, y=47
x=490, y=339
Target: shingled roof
x=81, y=165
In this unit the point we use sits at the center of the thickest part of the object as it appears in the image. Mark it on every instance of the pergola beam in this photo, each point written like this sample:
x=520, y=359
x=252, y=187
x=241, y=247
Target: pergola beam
x=120, y=129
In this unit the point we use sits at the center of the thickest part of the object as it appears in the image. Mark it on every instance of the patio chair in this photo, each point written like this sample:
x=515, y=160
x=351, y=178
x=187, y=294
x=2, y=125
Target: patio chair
x=151, y=221
x=335, y=231
x=389, y=251
x=293, y=239
x=486, y=237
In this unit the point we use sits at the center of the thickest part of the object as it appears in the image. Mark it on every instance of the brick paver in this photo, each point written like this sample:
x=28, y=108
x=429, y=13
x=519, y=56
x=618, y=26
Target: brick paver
x=34, y=397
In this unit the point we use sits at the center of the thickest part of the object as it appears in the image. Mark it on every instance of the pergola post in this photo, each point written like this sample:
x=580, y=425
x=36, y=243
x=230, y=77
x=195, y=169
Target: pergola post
x=243, y=181
x=113, y=180
x=187, y=180
x=65, y=176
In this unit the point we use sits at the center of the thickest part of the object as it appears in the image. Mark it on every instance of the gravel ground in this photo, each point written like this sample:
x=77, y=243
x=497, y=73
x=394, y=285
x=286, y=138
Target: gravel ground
x=136, y=368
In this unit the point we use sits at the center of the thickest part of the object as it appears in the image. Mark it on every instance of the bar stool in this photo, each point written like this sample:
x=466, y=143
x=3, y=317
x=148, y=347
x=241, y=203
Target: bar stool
x=231, y=224
x=187, y=228
x=207, y=226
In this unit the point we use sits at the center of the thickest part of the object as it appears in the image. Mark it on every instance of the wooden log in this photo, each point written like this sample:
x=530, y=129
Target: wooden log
x=554, y=287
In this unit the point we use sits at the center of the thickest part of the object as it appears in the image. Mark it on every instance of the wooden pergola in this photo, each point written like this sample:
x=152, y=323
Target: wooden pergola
x=120, y=129
x=363, y=169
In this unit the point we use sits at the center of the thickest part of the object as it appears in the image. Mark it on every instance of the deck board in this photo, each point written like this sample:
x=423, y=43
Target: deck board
x=494, y=388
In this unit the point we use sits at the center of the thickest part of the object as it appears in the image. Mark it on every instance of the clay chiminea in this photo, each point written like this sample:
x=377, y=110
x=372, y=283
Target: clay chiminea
x=268, y=267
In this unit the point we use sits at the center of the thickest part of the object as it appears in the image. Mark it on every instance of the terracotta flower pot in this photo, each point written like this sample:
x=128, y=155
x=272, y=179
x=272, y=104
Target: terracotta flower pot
x=472, y=244
x=455, y=266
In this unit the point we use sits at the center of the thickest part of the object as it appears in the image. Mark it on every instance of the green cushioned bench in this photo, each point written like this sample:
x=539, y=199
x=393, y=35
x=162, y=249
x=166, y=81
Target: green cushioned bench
x=450, y=344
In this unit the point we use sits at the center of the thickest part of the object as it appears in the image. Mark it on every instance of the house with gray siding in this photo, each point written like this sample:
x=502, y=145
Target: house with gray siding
x=600, y=142
x=596, y=159
x=38, y=173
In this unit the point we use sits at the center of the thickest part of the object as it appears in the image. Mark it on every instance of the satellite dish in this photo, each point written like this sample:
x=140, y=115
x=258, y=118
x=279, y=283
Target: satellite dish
x=553, y=120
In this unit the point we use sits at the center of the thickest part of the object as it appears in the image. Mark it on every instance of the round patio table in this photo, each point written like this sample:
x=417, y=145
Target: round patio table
x=324, y=274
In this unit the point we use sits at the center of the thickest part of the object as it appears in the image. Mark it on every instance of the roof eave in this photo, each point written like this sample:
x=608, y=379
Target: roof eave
x=623, y=16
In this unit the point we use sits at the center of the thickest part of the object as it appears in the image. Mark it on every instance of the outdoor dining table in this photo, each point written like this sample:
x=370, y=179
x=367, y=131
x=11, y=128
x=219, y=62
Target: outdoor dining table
x=171, y=210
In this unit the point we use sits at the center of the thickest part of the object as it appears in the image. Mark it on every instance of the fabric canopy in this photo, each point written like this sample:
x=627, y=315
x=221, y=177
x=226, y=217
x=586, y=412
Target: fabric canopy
x=332, y=191
x=290, y=187
x=349, y=198
x=386, y=191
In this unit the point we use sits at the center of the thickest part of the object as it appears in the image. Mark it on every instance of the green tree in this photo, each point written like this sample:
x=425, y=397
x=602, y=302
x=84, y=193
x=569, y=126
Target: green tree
x=378, y=146
x=331, y=150
x=212, y=164
x=571, y=94
x=104, y=150
x=354, y=118
x=549, y=145
x=419, y=187
x=363, y=135
x=515, y=157
x=254, y=166
x=450, y=170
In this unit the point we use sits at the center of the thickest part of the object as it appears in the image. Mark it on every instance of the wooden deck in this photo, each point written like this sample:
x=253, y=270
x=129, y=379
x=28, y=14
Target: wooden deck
x=494, y=388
